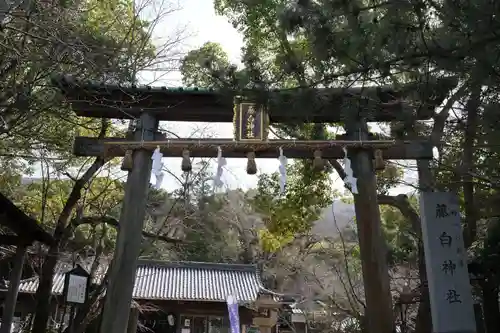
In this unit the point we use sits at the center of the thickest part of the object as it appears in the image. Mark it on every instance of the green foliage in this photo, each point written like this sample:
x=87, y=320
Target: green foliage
x=200, y=67
x=273, y=242
x=89, y=40
x=307, y=192
x=400, y=237
x=389, y=178
x=45, y=199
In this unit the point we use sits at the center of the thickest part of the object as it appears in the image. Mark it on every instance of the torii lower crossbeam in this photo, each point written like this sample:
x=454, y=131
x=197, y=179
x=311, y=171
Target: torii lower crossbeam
x=332, y=149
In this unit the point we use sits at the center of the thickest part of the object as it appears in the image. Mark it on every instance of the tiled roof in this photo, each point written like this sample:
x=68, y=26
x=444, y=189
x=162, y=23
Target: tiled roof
x=182, y=281
x=69, y=82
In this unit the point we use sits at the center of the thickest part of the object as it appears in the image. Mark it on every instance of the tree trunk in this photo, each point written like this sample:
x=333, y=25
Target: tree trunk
x=44, y=291
x=84, y=318
x=491, y=309
x=470, y=134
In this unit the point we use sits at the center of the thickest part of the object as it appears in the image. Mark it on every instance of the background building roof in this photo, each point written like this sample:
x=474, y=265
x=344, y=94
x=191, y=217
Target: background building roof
x=186, y=281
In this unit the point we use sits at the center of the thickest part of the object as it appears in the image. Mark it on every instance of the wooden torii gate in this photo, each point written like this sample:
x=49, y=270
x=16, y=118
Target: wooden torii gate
x=149, y=105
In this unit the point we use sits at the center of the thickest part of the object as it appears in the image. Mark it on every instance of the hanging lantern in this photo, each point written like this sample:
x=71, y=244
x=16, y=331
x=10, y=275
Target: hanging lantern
x=128, y=161
x=379, y=162
x=318, y=163
x=186, y=161
x=251, y=165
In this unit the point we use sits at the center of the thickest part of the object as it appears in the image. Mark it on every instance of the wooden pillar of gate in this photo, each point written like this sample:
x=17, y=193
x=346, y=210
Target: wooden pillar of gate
x=133, y=320
x=373, y=250
x=123, y=268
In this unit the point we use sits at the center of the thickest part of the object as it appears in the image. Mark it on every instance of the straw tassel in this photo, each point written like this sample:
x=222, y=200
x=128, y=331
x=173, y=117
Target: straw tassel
x=186, y=161
x=318, y=163
x=128, y=161
x=379, y=162
x=251, y=165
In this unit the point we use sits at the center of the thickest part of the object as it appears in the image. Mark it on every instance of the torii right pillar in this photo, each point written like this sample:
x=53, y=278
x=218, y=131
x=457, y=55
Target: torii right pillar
x=379, y=316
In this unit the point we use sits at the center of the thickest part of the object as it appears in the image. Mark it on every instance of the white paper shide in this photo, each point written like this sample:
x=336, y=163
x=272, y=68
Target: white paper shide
x=350, y=181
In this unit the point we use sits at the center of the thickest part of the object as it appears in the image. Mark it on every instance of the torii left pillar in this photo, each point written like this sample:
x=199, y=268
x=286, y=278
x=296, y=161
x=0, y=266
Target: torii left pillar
x=378, y=312
x=128, y=244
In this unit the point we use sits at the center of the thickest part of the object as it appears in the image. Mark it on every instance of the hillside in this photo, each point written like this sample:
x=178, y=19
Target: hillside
x=337, y=216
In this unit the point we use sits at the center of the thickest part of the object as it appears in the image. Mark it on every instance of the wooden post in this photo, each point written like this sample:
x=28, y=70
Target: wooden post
x=71, y=323
x=425, y=178
x=133, y=319
x=128, y=243
x=11, y=298
x=379, y=314
x=424, y=320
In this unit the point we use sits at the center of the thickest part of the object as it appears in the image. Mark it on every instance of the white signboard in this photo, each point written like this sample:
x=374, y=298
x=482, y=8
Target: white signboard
x=77, y=288
x=445, y=256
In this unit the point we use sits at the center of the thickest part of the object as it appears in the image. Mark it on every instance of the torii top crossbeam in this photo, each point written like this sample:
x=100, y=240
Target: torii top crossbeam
x=91, y=99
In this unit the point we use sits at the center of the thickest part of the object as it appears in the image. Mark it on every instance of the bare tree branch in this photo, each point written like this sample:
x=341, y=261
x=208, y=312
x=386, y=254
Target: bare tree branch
x=94, y=220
